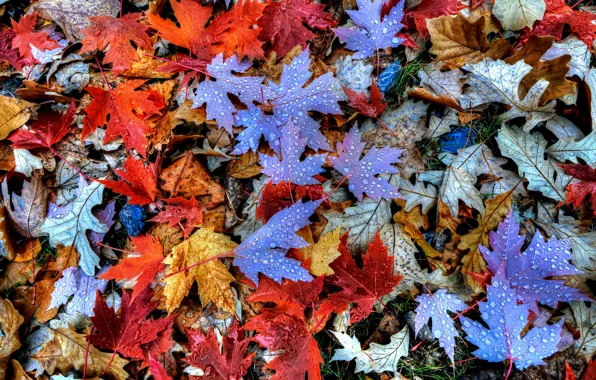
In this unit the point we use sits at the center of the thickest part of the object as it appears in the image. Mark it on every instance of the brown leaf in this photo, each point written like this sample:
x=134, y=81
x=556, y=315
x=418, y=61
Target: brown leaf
x=246, y=166
x=457, y=41
x=424, y=94
x=34, y=300
x=10, y=321
x=168, y=236
x=6, y=248
x=6, y=156
x=18, y=373
x=187, y=178
x=35, y=92
x=29, y=212
x=67, y=257
x=13, y=114
x=190, y=115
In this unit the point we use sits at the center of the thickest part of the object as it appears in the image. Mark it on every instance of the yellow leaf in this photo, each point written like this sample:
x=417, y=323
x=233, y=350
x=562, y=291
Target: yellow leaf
x=212, y=277
x=323, y=253
x=473, y=263
x=10, y=321
x=13, y=114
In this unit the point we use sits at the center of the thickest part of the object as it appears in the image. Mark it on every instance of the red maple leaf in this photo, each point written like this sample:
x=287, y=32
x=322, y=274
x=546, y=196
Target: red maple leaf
x=363, y=286
x=359, y=102
x=7, y=53
x=25, y=36
x=126, y=333
x=285, y=23
x=145, y=266
x=127, y=109
x=241, y=35
x=290, y=325
x=577, y=192
x=116, y=34
x=180, y=209
x=184, y=63
x=191, y=32
x=415, y=19
x=558, y=14
x=275, y=198
x=157, y=370
x=139, y=182
x=47, y=130
x=231, y=364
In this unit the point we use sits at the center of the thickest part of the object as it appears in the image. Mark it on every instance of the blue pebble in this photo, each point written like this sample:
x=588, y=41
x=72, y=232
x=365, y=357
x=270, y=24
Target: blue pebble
x=133, y=218
x=458, y=138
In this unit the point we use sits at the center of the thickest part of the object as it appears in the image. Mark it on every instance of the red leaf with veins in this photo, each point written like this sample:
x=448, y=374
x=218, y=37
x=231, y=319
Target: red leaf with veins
x=116, y=34
x=290, y=325
x=6, y=51
x=284, y=23
x=231, y=364
x=428, y=9
x=139, y=182
x=362, y=286
x=127, y=109
x=143, y=267
x=178, y=210
x=359, y=102
x=277, y=197
x=577, y=192
x=130, y=330
x=47, y=130
x=27, y=36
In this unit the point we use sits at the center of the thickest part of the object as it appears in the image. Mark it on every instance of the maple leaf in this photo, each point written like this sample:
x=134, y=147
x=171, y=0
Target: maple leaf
x=283, y=22
x=116, y=34
x=180, y=209
x=378, y=357
x=126, y=333
x=290, y=168
x=557, y=15
x=363, y=286
x=506, y=320
x=436, y=306
x=427, y=10
x=82, y=288
x=191, y=34
x=7, y=53
x=220, y=107
x=256, y=123
x=577, y=192
x=275, y=198
x=127, y=109
x=359, y=102
x=264, y=251
x=372, y=34
x=143, y=268
x=286, y=326
x=212, y=276
x=291, y=100
x=26, y=37
x=139, y=182
x=241, y=36
x=527, y=271
x=229, y=362
x=47, y=130
x=361, y=174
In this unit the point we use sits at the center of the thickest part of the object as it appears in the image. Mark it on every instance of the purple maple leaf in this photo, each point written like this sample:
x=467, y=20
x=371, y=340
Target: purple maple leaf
x=506, y=320
x=371, y=33
x=527, y=271
x=215, y=93
x=436, y=306
x=290, y=168
x=265, y=250
x=256, y=123
x=290, y=99
x=361, y=173
x=76, y=283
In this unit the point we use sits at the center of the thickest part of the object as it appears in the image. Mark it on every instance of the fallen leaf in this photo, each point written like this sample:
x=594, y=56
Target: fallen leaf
x=13, y=114
x=322, y=253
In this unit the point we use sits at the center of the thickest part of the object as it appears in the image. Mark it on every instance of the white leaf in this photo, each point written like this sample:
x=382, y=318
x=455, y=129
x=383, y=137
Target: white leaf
x=585, y=320
x=378, y=358
x=400, y=246
x=577, y=49
x=591, y=82
x=418, y=194
x=571, y=150
x=527, y=151
x=496, y=81
x=249, y=212
x=518, y=14
x=438, y=126
x=25, y=162
x=564, y=129
x=70, y=230
x=459, y=184
x=354, y=74
x=446, y=83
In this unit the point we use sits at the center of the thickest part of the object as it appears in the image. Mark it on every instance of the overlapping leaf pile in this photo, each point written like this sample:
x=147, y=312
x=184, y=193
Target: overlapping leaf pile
x=292, y=189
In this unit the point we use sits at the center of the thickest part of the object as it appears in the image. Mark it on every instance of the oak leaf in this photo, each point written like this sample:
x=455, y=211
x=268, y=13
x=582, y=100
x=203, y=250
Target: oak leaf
x=116, y=34
x=130, y=330
x=127, y=110
x=228, y=362
x=143, y=268
x=212, y=276
x=139, y=182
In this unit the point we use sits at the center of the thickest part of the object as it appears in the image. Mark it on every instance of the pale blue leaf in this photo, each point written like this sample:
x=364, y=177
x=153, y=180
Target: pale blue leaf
x=256, y=124
x=82, y=288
